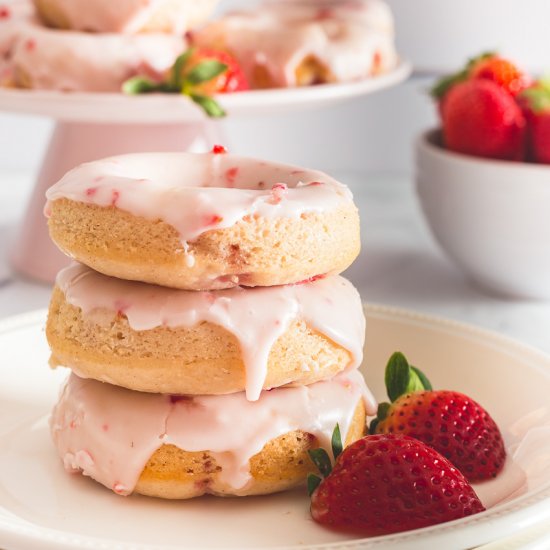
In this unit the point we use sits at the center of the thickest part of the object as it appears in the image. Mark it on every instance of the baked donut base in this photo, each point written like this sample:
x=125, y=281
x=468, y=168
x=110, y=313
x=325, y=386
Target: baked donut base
x=255, y=251
x=282, y=464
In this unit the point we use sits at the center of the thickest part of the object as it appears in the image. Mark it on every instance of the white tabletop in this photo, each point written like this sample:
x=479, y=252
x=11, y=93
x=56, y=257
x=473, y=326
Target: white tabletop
x=400, y=264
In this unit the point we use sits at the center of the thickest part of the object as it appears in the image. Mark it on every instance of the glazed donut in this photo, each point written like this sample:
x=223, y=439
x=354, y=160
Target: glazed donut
x=48, y=59
x=162, y=340
x=300, y=43
x=125, y=16
x=173, y=447
x=203, y=221
x=12, y=16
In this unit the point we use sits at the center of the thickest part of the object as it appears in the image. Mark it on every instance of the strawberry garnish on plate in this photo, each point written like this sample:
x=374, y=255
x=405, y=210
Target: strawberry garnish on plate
x=480, y=118
x=198, y=73
x=448, y=421
x=536, y=103
x=388, y=483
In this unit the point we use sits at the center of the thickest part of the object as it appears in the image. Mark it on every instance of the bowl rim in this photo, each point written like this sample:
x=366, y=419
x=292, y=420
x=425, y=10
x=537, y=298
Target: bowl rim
x=429, y=141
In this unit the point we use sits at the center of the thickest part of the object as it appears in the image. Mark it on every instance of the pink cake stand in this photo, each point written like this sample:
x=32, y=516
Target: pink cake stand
x=91, y=126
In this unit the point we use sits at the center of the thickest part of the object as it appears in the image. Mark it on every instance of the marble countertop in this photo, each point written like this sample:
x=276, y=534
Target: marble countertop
x=400, y=264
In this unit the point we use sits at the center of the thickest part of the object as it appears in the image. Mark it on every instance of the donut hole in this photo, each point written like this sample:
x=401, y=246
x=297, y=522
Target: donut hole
x=173, y=171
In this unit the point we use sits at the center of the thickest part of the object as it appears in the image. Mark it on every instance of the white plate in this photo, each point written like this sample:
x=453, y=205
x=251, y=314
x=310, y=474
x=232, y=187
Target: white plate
x=168, y=108
x=42, y=507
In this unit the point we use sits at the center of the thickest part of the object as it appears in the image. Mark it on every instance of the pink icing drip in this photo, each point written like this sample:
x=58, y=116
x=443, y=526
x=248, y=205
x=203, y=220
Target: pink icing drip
x=186, y=189
x=140, y=423
x=256, y=316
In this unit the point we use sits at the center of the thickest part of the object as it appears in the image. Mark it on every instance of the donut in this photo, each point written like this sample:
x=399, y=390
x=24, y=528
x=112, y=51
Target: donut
x=12, y=16
x=174, y=447
x=162, y=340
x=299, y=43
x=125, y=16
x=203, y=221
x=48, y=59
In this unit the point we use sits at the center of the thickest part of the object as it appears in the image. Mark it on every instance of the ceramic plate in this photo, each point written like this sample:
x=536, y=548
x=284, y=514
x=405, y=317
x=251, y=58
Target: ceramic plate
x=42, y=507
x=159, y=108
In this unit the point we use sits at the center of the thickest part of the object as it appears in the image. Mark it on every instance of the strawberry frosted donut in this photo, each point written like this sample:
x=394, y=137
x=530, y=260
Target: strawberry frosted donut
x=125, y=16
x=173, y=447
x=48, y=59
x=12, y=16
x=161, y=340
x=204, y=221
x=299, y=43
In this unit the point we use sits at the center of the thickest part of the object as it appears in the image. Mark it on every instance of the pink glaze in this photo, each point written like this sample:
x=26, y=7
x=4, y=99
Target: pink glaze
x=230, y=427
x=354, y=38
x=195, y=193
x=257, y=317
x=130, y=16
x=78, y=61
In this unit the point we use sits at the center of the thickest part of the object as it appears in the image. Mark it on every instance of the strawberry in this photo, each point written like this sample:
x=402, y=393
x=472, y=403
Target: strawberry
x=198, y=73
x=536, y=103
x=450, y=422
x=501, y=71
x=487, y=66
x=388, y=483
x=481, y=119
x=231, y=79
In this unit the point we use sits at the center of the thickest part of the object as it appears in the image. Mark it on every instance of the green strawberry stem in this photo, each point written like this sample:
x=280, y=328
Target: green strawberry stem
x=336, y=442
x=445, y=83
x=321, y=459
x=538, y=96
x=313, y=482
x=401, y=378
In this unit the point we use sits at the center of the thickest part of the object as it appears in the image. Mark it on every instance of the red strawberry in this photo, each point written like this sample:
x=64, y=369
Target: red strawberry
x=388, y=483
x=487, y=66
x=481, y=119
x=536, y=102
x=230, y=78
x=502, y=72
x=198, y=73
x=450, y=422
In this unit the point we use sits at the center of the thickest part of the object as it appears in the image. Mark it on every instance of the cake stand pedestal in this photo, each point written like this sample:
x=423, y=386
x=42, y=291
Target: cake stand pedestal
x=73, y=143
x=92, y=126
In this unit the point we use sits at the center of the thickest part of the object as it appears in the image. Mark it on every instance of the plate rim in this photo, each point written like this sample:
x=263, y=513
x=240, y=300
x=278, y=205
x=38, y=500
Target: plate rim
x=42, y=102
x=23, y=531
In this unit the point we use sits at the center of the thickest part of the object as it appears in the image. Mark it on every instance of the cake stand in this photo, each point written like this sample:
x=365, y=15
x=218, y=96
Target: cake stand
x=91, y=126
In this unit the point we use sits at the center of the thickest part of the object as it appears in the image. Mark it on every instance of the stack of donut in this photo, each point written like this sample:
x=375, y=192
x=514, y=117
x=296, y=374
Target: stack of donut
x=93, y=45
x=211, y=339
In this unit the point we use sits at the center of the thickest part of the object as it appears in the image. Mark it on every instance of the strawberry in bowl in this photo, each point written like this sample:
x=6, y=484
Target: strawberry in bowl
x=482, y=177
x=479, y=111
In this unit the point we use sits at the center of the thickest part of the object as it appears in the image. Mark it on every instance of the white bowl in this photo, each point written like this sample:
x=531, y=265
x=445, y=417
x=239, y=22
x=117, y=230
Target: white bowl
x=491, y=217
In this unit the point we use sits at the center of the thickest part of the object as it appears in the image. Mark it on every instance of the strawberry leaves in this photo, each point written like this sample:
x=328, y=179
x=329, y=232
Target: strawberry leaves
x=401, y=378
x=445, y=83
x=538, y=96
x=186, y=80
x=322, y=460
